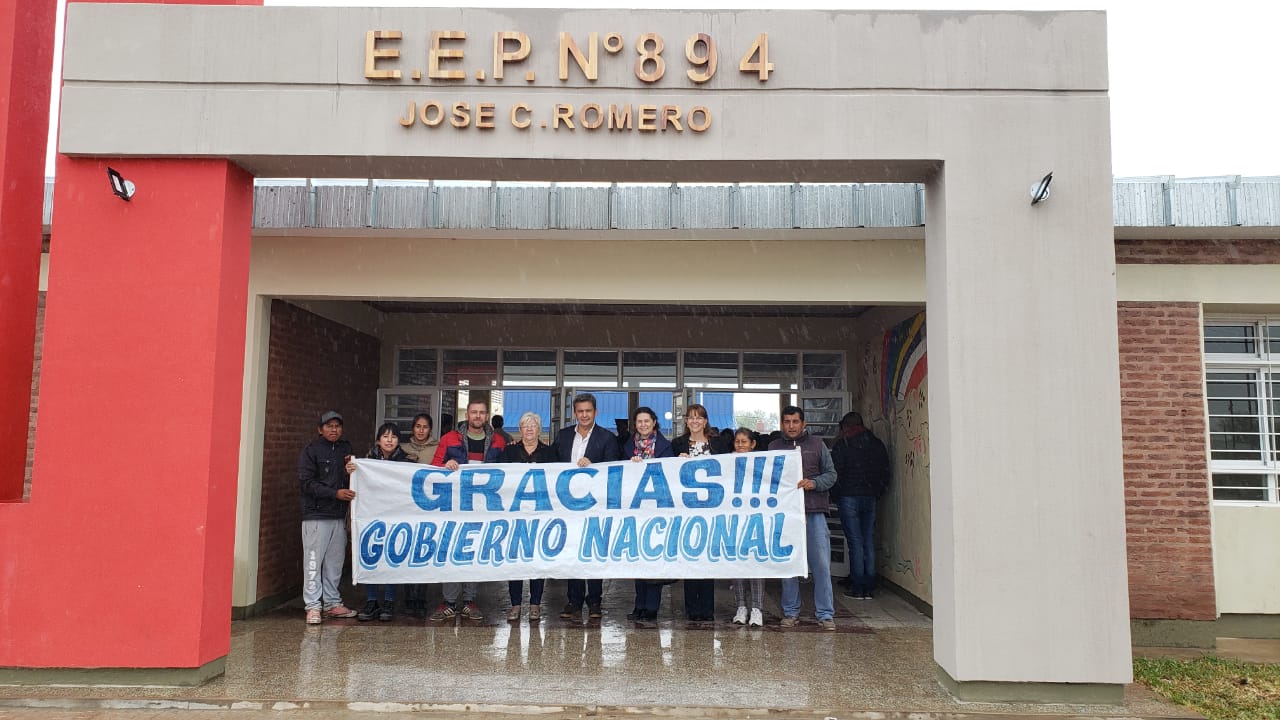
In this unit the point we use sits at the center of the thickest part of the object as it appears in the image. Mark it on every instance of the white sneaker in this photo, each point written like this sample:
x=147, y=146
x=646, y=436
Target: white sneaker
x=757, y=620
x=740, y=618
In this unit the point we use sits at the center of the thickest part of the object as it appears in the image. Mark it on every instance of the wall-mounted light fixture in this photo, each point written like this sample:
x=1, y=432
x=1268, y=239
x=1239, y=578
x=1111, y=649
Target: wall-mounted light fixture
x=124, y=189
x=1040, y=191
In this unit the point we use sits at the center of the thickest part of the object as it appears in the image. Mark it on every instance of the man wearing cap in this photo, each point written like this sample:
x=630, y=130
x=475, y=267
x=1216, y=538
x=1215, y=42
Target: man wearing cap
x=325, y=497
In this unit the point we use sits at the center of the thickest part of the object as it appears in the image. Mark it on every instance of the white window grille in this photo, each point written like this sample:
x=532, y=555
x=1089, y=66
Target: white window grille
x=1242, y=393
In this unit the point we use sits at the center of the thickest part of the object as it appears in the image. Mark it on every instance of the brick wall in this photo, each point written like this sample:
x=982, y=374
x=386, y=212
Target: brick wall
x=35, y=393
x=315, y=365
x=1167, y=492
x=1198, y=252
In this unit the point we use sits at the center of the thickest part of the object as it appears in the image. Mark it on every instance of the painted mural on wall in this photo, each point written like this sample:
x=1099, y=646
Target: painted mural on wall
x=895, y=405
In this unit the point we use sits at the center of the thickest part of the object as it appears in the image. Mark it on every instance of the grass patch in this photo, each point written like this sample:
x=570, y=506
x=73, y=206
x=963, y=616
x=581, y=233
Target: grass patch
x=1218, y=688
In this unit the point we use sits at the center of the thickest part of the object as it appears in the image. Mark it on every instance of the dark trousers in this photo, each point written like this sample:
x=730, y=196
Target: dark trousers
x=584, y=590
x=648, y=595
x=699, y=598
x=516, y=589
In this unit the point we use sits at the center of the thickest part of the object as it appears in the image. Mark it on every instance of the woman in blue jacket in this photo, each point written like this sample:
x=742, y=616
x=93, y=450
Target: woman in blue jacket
x=646, y=442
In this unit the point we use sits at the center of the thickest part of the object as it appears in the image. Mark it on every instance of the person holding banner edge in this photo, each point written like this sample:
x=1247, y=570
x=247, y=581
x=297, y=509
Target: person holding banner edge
x=387, y=448
x=699, y=439
x=529, y=449
x=818, y=475
x=645, y=443
x=325, y=498
x=584, y=443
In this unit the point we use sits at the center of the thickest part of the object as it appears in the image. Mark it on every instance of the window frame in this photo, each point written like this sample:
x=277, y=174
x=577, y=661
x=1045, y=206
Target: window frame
x=1264, y=366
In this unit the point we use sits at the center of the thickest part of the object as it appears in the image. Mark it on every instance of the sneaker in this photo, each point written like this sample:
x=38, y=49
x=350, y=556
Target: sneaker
x=789, y=621
x=313, y=616
x=387, y=612
x=443, y=611
x=828, y=624
x=850, y=592
x=757, y=620
x=369, y=611
x=570, y=611
x=594, y=612
x=740, y=617
x=469, y=611
x=340, y=611
x=513, y=615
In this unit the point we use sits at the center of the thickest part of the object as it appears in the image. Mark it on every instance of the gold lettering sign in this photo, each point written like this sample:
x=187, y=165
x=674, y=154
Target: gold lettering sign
x=578, y=59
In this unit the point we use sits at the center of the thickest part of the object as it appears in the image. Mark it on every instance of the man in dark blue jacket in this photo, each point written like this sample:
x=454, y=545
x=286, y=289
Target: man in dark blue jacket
x=862, y=474
x=325, y=498
x=584, y=443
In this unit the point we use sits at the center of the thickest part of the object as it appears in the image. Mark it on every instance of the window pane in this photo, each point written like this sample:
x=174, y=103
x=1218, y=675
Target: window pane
x=1273, y=339
x=529, y=367
x=1230, y=339
x=822, y=415
x=769, y=371
x=1239, y=494
x=1230, y=385
x=1233, y=407
x=649, y=370
x=416, y=366
x=400, y=408
x=593, y=368
x=1235, y=441
x=823, y=371
x=1233, y=424
x=711, y=369
x=471, y=367
x=1241, y=486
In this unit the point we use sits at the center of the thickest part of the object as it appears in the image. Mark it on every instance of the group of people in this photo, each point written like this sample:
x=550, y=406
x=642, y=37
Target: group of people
x=856, y=468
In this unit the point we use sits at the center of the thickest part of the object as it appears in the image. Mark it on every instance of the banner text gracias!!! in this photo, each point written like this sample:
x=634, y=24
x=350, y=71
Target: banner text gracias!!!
x=720, y=516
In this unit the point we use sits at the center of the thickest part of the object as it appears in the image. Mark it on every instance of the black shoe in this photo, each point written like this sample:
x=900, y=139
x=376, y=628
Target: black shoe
x=570, y=611
x=386, y=612
x=850, y=592
x=594, y=612
x=369, y=611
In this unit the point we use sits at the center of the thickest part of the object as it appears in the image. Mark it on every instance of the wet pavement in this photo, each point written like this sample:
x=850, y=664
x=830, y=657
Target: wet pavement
x=878, y=664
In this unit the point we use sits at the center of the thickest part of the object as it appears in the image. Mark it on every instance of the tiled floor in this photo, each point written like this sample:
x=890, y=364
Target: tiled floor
x=879, y=661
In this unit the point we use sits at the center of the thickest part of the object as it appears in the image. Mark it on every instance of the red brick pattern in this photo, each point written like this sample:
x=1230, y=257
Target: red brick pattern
x=1167, y=485
x=314, y=365
x=1198, y=252
x=35, y=394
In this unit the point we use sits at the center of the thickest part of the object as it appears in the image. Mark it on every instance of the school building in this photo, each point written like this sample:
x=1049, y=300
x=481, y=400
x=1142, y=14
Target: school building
x=908, y=214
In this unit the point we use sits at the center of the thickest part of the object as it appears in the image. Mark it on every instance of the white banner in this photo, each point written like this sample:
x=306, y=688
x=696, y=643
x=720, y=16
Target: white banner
x=719, y=516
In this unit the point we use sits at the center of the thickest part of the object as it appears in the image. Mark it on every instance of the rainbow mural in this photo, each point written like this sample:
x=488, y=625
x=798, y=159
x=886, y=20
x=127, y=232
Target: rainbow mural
x=903, y=365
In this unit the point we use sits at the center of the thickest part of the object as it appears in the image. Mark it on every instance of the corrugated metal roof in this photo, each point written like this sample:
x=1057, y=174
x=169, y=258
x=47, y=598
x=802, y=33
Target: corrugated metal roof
x=1160, y=201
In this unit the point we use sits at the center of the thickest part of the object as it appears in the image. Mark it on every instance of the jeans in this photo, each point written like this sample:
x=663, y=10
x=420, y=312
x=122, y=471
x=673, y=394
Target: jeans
x=858, y=519
x=588, y=590
x=819, y=540
x=515, y=588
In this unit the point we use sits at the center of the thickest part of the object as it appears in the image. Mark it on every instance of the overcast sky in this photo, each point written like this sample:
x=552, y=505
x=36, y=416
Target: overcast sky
x=1193, y=84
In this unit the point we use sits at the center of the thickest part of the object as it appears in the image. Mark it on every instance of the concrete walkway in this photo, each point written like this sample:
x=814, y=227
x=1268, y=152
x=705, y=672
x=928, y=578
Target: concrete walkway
x=878, y=664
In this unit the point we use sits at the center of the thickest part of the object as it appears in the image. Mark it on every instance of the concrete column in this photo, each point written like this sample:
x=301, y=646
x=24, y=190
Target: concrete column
x=137, y=450
x=1030, y=585
x=26, y=61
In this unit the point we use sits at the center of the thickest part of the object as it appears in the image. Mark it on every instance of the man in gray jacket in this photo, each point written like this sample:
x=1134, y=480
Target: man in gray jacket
x=818, y=475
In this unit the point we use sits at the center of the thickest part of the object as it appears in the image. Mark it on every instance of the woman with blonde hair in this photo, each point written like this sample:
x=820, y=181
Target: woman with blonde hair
x=528, y=449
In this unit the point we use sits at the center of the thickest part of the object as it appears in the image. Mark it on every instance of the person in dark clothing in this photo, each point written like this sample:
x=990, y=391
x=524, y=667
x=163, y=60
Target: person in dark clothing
x=387, y=447
x=862, y=474
x=325, y=497
x=582, y=444
x=645, y=443
x=699, y=439
x=528, y=449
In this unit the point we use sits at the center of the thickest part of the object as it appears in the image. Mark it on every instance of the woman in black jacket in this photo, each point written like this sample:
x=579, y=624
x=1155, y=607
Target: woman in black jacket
x=646, y=442
x=699, y=439
x=388, y=448
x=528, y=449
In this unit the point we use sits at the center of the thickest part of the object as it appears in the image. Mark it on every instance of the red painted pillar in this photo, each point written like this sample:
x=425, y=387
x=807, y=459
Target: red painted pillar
x=26, y=62
x=123, y=557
